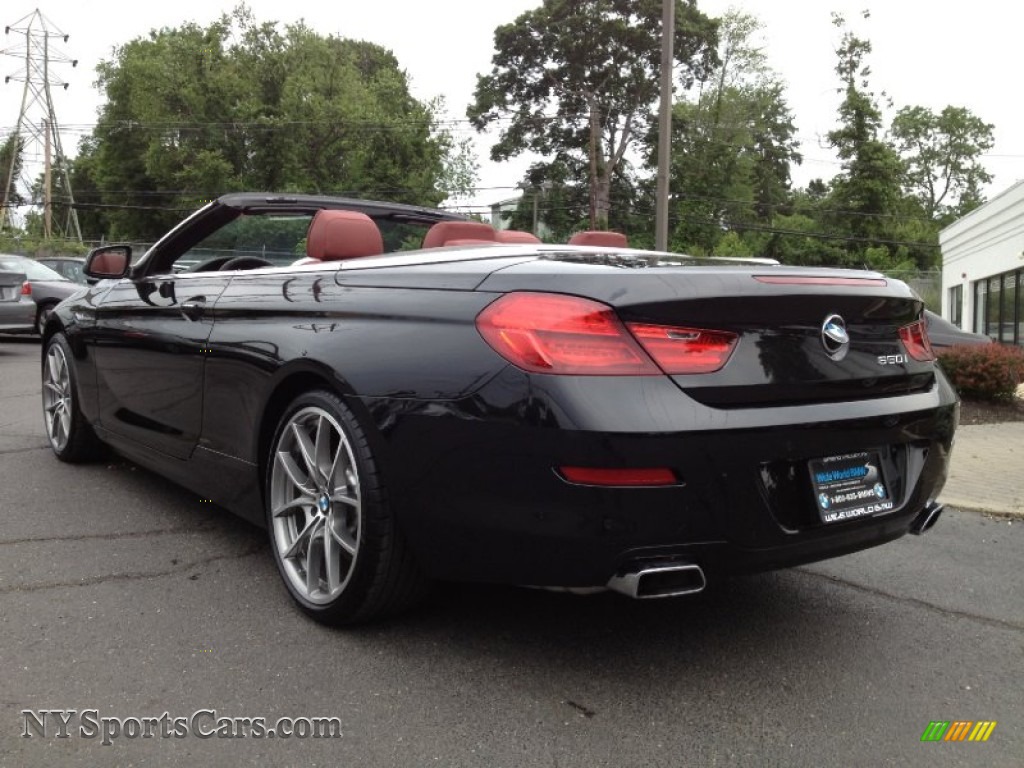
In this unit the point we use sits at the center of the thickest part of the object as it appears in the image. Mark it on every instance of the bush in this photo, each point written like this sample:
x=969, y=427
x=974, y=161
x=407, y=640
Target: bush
x=985, y=371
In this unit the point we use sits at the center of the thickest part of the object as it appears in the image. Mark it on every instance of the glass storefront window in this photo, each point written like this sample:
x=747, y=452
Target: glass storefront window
x=992, y=308
x=980, y=300
x=956, y=304
x=1008, y=322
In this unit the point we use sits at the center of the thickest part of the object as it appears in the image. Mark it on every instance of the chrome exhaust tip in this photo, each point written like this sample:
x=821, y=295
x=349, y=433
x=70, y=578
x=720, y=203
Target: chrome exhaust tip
x=927, y=519
x=660, y=581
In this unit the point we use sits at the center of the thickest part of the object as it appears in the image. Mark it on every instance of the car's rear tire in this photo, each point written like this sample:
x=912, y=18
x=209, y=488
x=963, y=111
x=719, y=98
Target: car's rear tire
x=333, y=534
x=70, y=435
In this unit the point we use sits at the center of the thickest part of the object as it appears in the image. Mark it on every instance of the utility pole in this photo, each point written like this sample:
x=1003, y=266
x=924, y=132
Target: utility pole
x=37, y=130
x=668, y=27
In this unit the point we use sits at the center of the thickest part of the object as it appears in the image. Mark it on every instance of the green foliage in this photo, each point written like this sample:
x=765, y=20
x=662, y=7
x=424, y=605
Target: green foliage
x=733, y=147
x=25, y=244
x=942, y=155
x=732, y=244
x=576, y=81
x=11, y=157
x=868, y=189
x=193, y=112
x=984, y=372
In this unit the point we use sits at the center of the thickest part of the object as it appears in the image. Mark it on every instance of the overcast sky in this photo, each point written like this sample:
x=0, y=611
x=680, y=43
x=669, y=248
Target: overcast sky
x=927, y=53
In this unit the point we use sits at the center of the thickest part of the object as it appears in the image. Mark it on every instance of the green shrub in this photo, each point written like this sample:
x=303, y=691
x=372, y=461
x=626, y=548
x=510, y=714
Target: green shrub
x=985, y=371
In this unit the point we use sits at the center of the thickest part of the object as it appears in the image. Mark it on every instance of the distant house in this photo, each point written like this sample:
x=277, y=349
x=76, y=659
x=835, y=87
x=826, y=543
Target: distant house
x=983, y=268
x=501, y=215
x=501, y=212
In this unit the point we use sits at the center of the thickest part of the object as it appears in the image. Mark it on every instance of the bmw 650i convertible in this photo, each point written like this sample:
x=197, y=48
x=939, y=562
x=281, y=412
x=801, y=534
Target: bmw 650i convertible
x=400, y=395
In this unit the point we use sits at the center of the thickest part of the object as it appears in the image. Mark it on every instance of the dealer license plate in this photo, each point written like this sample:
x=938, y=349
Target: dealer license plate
x=850, y=486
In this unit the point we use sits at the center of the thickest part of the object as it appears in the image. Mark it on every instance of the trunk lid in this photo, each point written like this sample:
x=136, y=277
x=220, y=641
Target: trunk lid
x=785, y=355
x=10, y=285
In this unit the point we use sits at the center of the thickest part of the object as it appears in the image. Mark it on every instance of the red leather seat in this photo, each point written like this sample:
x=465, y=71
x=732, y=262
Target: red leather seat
x=444, y=232
x=600, y=237
x=515, y=236
x=337, y=235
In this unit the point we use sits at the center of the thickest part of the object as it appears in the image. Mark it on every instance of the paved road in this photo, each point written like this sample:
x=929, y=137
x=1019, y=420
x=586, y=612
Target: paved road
x=123, y=594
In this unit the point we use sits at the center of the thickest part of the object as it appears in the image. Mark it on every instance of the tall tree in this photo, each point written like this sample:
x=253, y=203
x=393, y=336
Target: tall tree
x=867, y=192
x=192, y=112
x=733, y=145
x=11, y=152
x=942, y=156
x=576, y=81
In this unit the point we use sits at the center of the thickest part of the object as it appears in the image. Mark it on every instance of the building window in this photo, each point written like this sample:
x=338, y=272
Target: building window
x=980, y=300
x=956, y=304
x=1010, y=307
x=992, y=310
x=998, y=307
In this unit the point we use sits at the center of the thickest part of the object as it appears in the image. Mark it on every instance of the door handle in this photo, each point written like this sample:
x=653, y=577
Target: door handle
x=193, y=307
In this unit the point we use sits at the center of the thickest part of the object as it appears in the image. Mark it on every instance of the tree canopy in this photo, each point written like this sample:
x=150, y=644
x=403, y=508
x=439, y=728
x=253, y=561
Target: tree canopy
x=192, y=112
x=575, y=81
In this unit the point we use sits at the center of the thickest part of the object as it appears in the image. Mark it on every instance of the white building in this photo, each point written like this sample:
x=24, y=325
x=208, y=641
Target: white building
x=983, y=268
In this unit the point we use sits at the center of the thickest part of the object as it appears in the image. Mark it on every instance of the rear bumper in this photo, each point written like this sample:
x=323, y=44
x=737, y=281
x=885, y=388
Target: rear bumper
x=18, y=316
x=477, y=497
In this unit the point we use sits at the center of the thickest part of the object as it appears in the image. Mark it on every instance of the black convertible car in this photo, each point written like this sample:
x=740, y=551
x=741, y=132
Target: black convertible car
x=399, y=395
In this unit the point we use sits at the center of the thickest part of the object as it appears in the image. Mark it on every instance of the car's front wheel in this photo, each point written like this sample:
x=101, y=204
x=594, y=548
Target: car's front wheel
x=70, y=435
x=332, y=532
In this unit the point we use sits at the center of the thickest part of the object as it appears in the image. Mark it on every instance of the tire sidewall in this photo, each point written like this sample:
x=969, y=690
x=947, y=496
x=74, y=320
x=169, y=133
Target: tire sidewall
x=71, y=449
x=347, y=605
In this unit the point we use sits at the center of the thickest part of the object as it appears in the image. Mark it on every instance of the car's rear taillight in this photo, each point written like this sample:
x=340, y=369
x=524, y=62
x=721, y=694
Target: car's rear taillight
x=26, y=288
x=685, y=350
x=551, y=333
x=915, y=339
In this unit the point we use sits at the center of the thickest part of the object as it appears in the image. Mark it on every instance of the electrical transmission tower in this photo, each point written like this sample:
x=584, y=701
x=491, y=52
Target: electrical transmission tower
x=37, y=133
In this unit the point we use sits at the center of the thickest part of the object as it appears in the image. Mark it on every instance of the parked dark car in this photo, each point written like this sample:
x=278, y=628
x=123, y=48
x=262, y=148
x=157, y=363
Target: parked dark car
x=551, y=415
x=41, y=286
x=943, y=333
x=69, y=267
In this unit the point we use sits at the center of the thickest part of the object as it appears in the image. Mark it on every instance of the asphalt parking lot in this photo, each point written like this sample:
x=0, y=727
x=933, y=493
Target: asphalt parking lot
x=125, y=595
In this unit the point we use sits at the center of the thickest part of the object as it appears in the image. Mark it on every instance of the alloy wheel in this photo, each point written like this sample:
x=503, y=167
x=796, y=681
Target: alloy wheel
x=316, y=513
x=57, y=397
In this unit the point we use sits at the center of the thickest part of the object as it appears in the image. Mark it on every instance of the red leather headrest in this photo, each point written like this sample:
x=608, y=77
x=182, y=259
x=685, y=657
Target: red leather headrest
x=515, y=236
x=336, y=235
x=444, y=232
x=600, y=237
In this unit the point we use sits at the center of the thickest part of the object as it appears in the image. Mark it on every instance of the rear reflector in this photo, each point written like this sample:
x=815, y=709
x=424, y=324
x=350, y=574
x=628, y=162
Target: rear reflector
x=860, y=282
x=915, y=339
x=26, y=288
x=640, y=478
x=685, y=350
x=552, y=333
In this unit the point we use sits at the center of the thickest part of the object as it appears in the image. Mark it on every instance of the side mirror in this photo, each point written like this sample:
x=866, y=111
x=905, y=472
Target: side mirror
x=108, y=261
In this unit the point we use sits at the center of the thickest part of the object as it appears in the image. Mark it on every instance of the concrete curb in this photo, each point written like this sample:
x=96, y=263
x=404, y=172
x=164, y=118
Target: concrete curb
x=981, y=507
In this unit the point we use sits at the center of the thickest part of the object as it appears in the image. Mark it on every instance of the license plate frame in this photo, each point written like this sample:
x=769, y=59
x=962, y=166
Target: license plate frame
x=849, y=486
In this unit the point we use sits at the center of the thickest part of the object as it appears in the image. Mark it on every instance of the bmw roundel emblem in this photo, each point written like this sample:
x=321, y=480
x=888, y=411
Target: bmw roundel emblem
x=834, y=337
x=879, y=490
x=823, y=500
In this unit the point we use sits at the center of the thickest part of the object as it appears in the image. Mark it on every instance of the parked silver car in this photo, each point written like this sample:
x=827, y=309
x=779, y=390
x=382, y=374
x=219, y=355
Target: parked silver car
x=28, y=293
x=67, y=266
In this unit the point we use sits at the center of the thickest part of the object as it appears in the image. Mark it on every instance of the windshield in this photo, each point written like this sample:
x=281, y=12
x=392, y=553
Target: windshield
x=33, y=269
